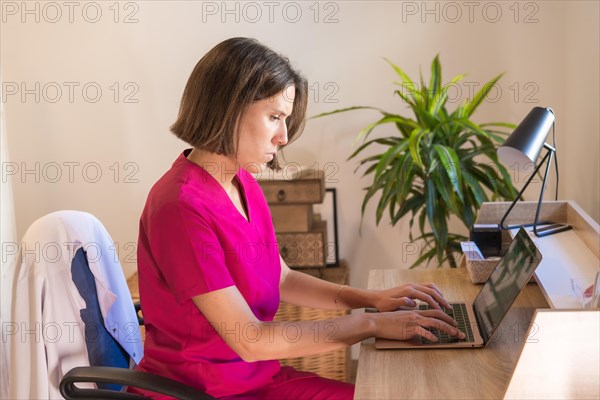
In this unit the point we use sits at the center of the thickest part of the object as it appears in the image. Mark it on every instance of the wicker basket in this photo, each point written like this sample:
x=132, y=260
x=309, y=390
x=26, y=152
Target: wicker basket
x=132, y=284
x=480, y=270
x=333, y=364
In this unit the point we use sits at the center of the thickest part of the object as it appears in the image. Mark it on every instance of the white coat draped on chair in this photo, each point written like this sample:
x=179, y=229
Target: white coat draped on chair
x=45, y=332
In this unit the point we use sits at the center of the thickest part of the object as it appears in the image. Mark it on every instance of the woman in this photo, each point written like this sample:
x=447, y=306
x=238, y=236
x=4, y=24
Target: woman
x=210, y=274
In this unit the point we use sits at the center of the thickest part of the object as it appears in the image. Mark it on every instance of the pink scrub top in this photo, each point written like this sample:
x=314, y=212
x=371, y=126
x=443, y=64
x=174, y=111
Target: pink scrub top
x=192, y=241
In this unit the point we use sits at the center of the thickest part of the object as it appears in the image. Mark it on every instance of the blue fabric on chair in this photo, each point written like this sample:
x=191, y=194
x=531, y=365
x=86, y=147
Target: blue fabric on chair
x=102, y=348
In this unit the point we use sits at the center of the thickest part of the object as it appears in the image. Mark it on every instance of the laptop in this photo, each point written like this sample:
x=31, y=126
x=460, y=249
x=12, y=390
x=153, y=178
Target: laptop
x=480, y=319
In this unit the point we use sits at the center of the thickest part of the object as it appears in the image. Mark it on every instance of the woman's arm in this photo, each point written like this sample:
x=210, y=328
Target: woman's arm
x=255, y=340
x=305, y=290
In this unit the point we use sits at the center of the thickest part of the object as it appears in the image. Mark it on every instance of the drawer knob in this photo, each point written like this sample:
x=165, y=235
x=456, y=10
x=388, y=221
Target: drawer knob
x=281, y=195
x=284, y=252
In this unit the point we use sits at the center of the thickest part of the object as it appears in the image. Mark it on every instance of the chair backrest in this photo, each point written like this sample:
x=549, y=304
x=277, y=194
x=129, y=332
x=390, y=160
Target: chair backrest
x=70, y=305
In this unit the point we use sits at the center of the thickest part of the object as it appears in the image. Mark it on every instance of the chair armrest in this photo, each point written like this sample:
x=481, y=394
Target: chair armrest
x=122, y=376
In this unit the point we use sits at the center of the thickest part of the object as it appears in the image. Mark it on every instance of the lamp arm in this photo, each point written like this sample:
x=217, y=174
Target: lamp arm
x=554, y=228
x=539, y=206
x=550, y=150
x=545, y=231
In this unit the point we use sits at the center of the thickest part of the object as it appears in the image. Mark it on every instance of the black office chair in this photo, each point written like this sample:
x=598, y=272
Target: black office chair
x=53, y=288
x=126, y=377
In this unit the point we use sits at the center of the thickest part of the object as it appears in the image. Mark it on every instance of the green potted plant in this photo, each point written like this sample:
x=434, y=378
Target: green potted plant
x=439, y=163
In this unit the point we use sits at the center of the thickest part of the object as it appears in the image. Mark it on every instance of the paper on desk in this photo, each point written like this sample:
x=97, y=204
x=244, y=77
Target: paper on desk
x=471, y=251
x=590, y=297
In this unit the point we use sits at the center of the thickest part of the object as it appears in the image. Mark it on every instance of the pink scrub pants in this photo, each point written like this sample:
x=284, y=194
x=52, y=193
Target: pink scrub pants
x=290, y=384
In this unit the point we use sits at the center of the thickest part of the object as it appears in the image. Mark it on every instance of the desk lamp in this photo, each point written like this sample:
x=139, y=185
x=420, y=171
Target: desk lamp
x=523, y=147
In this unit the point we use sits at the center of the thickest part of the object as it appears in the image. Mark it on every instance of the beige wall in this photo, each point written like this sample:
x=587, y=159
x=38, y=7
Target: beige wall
x=549, y=50
x=581, y=141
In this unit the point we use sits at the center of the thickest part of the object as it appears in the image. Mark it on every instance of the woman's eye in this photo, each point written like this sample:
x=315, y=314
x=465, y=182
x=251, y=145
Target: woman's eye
x=275, y=117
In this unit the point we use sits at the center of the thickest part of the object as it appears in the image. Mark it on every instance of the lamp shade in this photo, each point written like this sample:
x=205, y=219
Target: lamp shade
x=523, y=146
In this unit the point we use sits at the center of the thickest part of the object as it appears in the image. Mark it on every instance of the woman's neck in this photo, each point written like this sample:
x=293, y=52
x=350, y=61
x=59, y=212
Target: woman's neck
x=219, y=166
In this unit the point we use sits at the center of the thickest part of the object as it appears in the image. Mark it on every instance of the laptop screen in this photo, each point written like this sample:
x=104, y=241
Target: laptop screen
x=505, y=283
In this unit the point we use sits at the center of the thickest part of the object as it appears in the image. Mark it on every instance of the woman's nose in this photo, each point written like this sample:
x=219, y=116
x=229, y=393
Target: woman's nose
x=282, y=138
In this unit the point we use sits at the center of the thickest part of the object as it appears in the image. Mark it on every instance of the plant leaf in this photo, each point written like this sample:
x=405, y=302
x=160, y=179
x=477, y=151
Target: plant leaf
x=406, y=178
x=388, y=141
x=451, y=165
x=475, y=187
x=406, y=81
x=341, y=110
x=500, y=124
x=435, y=82
x=444, y=190
x=414, y=146
x=430, y=206
x=480, y=96
x=442, y=95
x=388, y=156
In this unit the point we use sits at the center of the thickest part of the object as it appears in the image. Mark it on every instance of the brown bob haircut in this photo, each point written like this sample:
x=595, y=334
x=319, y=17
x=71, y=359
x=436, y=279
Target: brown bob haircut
x=231, y=76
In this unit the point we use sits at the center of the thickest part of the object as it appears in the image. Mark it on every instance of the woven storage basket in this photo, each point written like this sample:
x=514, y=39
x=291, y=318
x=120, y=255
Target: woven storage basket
x=133, y=285
x=333, y=364
x=480, y=270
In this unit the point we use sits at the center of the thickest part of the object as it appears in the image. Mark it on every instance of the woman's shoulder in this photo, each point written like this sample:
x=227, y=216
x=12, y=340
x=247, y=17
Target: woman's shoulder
x=186, y=189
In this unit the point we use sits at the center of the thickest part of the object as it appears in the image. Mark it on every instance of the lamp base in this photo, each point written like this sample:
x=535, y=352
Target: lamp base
x=548, y=230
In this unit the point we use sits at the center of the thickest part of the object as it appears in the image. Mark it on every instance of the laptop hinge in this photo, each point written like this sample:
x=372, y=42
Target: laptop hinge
x=480, y=326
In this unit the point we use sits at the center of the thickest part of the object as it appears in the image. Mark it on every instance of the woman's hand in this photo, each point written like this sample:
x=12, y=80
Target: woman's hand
x=403, y=296
x=404, y=325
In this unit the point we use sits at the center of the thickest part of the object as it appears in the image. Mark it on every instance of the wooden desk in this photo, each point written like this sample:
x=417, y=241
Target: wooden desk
x=562, y=359
x=446, y=374
x=571, y=255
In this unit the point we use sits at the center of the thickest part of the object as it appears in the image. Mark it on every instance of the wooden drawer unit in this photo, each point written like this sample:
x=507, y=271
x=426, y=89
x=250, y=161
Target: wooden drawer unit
x=304, y=249
x=307, y=187
x=292, y=217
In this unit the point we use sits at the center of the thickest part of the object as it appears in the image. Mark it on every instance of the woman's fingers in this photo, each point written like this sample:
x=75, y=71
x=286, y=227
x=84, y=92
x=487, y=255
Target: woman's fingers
x=430, y=295
x=441, y=325
x=399, y=296
x=438, y=315
x=434, y=287
x=407, y=302
x=403, y=325
x=420, y=331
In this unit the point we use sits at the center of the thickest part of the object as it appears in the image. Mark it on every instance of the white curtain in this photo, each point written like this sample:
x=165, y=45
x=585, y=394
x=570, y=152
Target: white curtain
x=7, y=240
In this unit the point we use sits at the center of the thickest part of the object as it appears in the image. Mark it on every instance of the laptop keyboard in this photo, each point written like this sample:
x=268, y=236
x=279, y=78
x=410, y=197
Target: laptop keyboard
x=460, y=315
